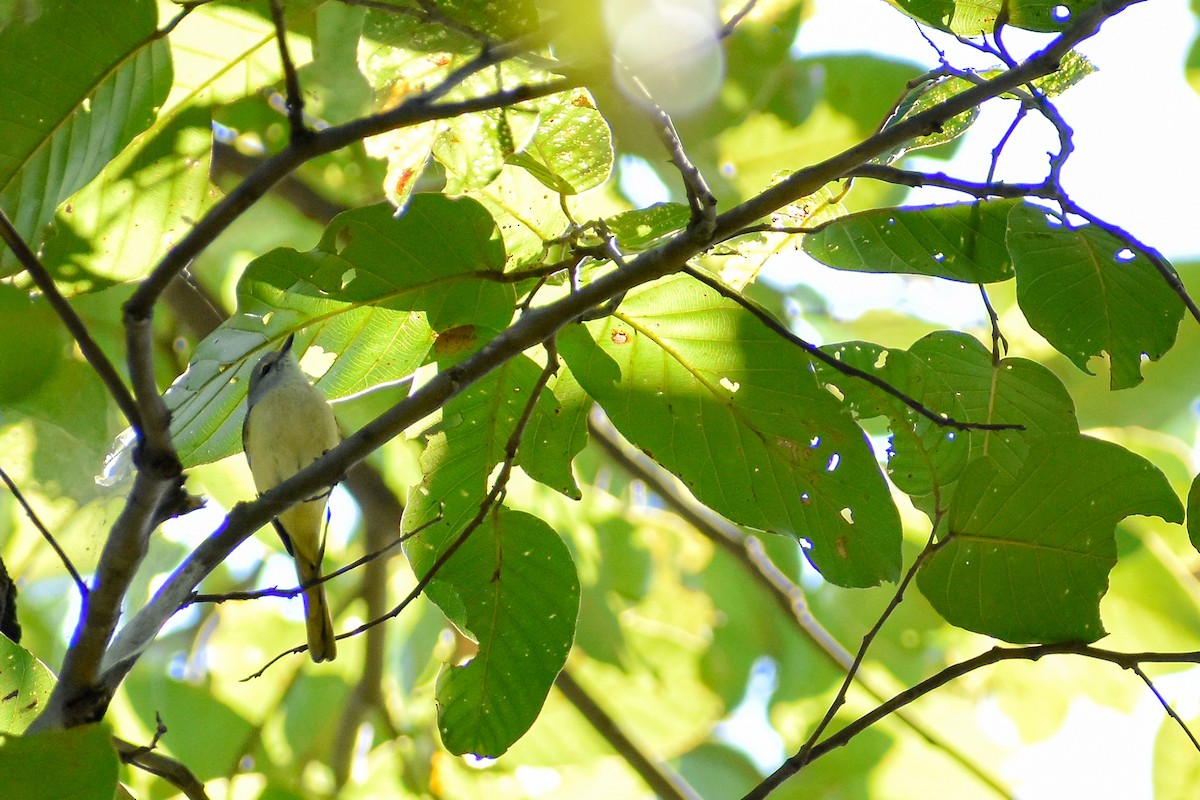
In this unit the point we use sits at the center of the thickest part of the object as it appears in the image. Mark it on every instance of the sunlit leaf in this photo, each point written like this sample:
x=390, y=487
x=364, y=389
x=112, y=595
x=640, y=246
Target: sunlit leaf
x=963, y=242
x=1015, y=391
x=374, y=292
x=640, y=228
x=976, y=17
x=712, y=394
x=1028, y=556
x=85, y=109
x=1088, y=294
x=25, y=685
x=31, y=767
x=571, y=149
x=150, y=195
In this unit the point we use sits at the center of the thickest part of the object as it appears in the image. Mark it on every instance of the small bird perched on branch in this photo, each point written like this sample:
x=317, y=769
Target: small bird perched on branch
x=289, y=425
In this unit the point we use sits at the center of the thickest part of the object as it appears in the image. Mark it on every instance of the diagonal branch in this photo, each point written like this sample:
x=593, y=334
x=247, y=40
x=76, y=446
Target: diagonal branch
x=663, y=780
x=46, y=534
x=846, y=369
x=749, y=552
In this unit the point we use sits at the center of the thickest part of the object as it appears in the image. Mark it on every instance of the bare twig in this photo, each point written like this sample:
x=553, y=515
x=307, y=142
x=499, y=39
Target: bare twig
x=49, y=537
x=993, y=656
x=295, y=98
x=662, y=780
x=289, y=593
x=165, y=767
x=804, y=755
x=1136, y=669
x=728, y=28
x=846, y=369
x=749, y=552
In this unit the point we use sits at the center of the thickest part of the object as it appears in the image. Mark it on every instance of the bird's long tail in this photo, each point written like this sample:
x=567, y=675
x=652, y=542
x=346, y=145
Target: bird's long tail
x=322, y=646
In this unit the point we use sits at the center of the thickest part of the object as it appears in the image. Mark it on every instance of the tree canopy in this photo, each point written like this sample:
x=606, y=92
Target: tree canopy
x=620, y=508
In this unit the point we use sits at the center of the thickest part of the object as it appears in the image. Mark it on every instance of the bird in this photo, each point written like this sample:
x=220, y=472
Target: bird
x=289, y=424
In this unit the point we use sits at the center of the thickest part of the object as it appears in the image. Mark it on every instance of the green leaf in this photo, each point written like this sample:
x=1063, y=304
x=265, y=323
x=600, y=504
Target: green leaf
x=151, y=194
x=962, y=242
x=556, y=436
x=1014, y=391
x=63, y=118
x=924, y=458
x=471, y=150
x=642, y=227
x=571, y=150
x=716, y=397
x=468, y=443
x=975, y=17
x=31, y=344
x=1193, y=513
x=375, y=291
x=1072, y=69
x=1028, y=556
x=520, y=592
x=25, y=685
x=528, y=215
x=73, y=764
x=1087, y=293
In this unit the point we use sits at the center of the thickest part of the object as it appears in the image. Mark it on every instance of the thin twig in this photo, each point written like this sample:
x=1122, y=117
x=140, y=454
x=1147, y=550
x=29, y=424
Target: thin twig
x=749, y=552
x=804, y=755
x=846, y=369
x=999, y=343
x=87, y=345
x=1174, y=715
x=662, y=780
x=165, y=767
x=954, y=671
x=295, y=98
x=289, y=593
x=49, y=537
x=728, y=28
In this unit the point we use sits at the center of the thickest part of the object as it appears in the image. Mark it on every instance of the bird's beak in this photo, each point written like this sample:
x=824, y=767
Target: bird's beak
x=287, y=345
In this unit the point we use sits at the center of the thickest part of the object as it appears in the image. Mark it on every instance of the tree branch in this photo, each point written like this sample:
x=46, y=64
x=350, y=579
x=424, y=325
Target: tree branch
x=535, y=326
x=748, y=551
x=661, y=779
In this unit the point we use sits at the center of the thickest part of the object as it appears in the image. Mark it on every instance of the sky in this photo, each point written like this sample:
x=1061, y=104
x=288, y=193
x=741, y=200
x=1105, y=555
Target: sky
x=1134, y=122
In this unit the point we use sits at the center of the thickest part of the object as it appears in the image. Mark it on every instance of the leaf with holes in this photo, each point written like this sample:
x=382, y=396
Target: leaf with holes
x=520, y=594
x=962, y=242
x=924, y=458
x=715, y=396
x=1028, y=555
x=375, y=292
x=85, y=108
x=975, y=17
x=467, y=445
x=1014, y=391
x=1087, y=293
x=571, y=148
